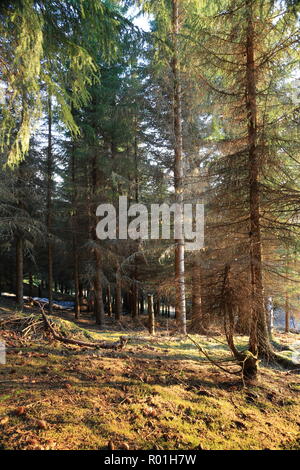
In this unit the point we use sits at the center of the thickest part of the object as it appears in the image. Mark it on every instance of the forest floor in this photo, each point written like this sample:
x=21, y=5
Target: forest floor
x=156, y=393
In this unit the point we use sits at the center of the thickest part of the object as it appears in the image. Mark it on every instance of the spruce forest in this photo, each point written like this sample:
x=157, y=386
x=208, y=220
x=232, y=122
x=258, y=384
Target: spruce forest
x=149, y=226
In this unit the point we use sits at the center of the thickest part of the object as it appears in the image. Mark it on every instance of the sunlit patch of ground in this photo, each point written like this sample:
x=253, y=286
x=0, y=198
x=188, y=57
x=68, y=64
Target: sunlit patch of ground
x=157, y=393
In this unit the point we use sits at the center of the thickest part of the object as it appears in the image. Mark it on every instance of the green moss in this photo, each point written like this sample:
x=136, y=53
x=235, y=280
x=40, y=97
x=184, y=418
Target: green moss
x=162, y=395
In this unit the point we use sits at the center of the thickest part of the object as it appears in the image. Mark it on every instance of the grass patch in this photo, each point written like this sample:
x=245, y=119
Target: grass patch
x=156, y=394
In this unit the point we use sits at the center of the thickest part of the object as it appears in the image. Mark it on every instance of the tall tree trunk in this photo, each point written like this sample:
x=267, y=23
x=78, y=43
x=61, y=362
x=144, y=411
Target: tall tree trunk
x=20, y=244
x=135, y=288
x=49, y=204
x=19, y=273
x=74, y=234
x=259, y=339
x=93, y=185
x=178, y=174
x=99, y=306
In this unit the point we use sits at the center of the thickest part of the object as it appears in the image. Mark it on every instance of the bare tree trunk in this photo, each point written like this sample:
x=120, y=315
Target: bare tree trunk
x=109, y=304
x=118, y=303
x=135, y=310
x=197, y=311
x=142, y=306
x=49, y=204
x=151, y=318
x=98, y=307
x=19, y=273
x=74, y=234
x=287, y=299
x=158, y=306
x=30, y=284
x=259, y=339
x=180, y=307
x=97, y=281
x=76, y=280
x=135, y=289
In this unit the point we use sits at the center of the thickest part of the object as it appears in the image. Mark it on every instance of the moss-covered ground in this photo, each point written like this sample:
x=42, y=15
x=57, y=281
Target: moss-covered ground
x=157, y=393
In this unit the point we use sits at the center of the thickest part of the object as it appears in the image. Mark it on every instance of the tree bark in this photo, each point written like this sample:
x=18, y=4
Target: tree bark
x=259, y=340
x=30, y=284
x=180, y=307
x=287, y=299
x=98, y=306
x=19, y=273
x=135, y=310
x=109, y=304
x=49, y=205
x=142, y=306
x=118, y=303
x=197, y=311
x=97, y=281
x=74, y=234
x=76, y=280
x=151, y=318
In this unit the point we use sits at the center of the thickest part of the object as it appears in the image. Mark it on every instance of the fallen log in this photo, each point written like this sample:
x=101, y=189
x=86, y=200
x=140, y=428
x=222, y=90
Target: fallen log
x=120, y=344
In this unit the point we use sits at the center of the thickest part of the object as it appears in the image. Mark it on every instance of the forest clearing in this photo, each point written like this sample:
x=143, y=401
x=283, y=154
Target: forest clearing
x=157, y=393
x=149, y=226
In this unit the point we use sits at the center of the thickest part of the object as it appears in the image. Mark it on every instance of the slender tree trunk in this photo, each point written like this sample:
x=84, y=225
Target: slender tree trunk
x=76, y=280
x=118, y=303
x=259, y=340
x=94, y=181
x=158, y=306
x=19, y=273
x=142, y=306
x=180, y=307
x=287, y=299
x=151, y=318
x=135, y=311
x=99, y=307
x=135, y=289
x=109, y=303
x=136, y=164
x=30, y=284
x=49, y=204
x=197, y=311
x=81, y=292
x=74, y=234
